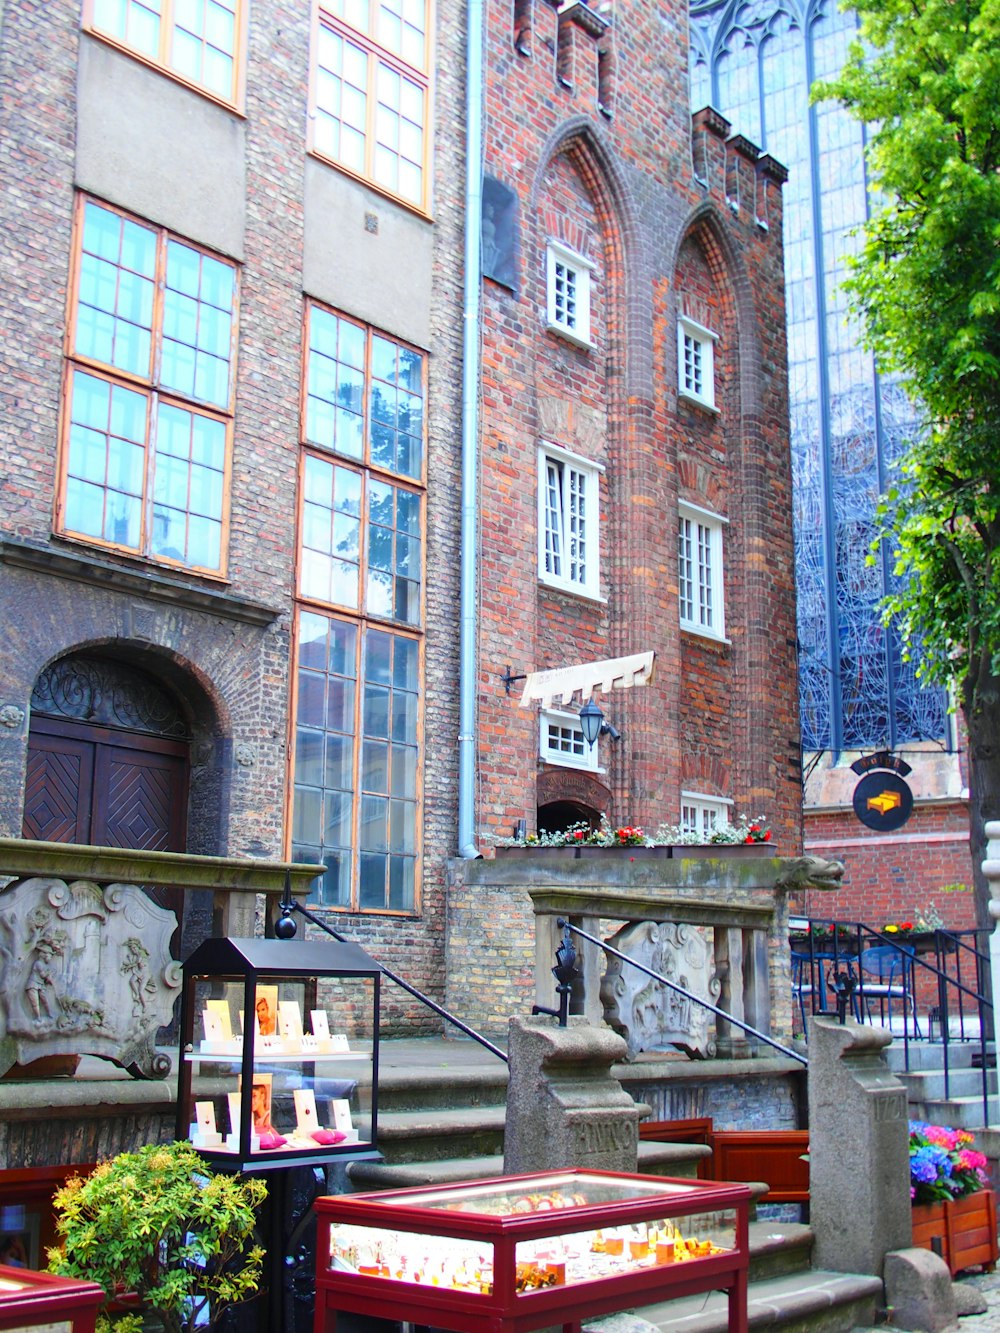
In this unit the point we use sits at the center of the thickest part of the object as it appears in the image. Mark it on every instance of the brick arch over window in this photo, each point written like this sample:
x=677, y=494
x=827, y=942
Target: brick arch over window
x=750, y=561
x=631, y=468
x=565, y=787
x=629, y=340
x=706, y=229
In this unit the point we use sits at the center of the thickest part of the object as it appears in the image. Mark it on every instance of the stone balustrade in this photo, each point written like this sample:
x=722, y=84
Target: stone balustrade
x=714, y=920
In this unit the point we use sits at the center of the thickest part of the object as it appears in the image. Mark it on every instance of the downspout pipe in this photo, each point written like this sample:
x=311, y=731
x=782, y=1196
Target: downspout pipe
x=470, y=431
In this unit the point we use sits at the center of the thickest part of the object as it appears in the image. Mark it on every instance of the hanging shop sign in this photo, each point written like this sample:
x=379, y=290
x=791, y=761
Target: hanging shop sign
x=883, y=800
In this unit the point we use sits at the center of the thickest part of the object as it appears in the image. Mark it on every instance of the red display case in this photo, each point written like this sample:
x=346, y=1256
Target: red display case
x=523, y=1252
x=40, y=1300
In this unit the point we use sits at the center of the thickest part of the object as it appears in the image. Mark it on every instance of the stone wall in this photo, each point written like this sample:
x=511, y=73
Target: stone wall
x=491, y=940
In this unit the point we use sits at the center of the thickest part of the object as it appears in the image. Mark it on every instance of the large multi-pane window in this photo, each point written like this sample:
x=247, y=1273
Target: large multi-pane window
x=146, y=448
x=755, y=62
x=356, y=799
x=197, y=41
x=370, y=92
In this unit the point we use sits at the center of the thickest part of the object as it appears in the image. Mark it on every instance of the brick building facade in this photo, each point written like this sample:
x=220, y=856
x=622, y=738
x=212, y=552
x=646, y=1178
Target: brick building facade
x=673, y=232
x=231, y=421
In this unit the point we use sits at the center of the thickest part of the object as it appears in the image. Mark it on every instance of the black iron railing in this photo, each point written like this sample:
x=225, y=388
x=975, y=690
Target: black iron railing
x=563, y=1010
x=284, y=928
x=935, y=980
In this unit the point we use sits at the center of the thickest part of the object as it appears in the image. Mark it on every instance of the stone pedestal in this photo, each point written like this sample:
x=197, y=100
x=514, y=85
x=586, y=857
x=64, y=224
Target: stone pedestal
x=859, y=1155
x=564, y=1107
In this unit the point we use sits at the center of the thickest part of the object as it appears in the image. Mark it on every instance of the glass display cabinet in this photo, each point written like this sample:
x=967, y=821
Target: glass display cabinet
x=279, y=1052
x=41, y=1300
x=527, y=1252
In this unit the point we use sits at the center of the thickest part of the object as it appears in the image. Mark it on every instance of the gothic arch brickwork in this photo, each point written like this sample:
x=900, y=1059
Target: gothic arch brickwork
x=617, y=171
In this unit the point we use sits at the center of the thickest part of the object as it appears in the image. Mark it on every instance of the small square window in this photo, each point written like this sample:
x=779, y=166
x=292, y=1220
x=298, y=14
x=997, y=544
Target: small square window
x=561, y=741
x=568, y=294
x=702, y=815
x=568, y=522
x=699, y=571
x=696, y=362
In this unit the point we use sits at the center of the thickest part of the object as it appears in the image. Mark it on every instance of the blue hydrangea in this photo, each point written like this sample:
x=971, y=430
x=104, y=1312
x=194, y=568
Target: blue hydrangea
x=929, y=1164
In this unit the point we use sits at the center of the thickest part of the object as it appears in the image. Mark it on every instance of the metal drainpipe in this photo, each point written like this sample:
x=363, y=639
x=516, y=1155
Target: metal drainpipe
x=470, y=431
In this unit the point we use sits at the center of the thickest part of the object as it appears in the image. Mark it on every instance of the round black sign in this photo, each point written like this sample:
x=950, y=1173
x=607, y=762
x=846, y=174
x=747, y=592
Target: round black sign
x=883, y=801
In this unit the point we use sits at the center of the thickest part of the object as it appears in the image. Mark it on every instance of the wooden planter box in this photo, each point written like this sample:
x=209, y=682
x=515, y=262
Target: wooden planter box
x=962, y=1231
x=739, y=851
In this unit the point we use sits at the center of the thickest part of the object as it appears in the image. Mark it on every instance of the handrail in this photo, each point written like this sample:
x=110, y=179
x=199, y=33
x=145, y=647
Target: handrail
x=705, y=1004
x=945, y=941
x=289, y=905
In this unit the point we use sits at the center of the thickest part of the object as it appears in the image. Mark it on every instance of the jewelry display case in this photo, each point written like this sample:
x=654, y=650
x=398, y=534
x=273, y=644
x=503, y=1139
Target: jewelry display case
x=279, y=1052
x=527, y=1252
x=41, y=1300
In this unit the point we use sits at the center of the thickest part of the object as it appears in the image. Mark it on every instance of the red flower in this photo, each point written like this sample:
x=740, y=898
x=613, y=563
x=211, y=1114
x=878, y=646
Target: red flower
x=767, y=836
x=579, y=835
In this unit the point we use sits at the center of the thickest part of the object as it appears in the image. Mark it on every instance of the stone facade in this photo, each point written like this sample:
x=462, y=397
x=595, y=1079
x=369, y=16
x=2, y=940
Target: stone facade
x=592, y=138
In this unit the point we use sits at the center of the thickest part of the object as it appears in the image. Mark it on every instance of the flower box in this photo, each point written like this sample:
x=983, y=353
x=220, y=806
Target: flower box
x=963, y=1231
x=719, y=850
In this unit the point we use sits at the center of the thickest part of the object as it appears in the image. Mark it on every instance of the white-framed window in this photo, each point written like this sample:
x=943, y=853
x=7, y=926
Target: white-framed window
x=696, y=362
x=699, y=571
x=568, y=521
x=567, y=286
x=561, y=741
x=703, y=814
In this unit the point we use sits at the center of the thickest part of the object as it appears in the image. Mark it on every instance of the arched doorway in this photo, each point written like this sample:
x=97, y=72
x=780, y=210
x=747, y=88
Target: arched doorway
x=108, y=759
x=557, y=816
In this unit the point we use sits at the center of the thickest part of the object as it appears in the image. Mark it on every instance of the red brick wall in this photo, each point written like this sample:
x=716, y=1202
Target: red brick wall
x=895, y=877
x=622, y=191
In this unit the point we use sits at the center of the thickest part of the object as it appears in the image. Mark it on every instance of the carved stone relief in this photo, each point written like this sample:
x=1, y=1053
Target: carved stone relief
x=649, y=1015
x=85, y=969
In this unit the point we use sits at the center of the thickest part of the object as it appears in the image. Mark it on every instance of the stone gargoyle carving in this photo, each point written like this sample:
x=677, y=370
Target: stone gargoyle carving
x=649, y=1015
x=85, y=969
x=810, y=872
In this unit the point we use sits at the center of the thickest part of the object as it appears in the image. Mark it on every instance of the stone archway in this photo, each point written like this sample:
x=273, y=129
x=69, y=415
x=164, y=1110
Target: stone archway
x=564, y=797
x=108, y=758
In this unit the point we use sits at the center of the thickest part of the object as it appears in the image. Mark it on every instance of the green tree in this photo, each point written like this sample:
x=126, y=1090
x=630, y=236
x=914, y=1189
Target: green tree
x=925, y=79
x=157, y=1227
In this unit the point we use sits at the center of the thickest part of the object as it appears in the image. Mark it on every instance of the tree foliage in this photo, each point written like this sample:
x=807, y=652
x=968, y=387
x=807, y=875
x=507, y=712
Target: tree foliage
x=156, y=1225
x=925, y=79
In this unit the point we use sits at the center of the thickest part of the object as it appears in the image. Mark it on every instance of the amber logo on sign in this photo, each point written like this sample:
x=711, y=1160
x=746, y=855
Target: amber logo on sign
x=885, y=801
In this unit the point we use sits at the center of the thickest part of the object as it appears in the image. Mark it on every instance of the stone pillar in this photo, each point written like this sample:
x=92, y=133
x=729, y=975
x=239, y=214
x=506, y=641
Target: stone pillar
x=564, y=1106
x=756, y=980
x=731, y=1042
x=859, y=1154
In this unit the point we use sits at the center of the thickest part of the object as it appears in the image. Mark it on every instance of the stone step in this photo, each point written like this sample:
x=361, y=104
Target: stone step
x=433, y=1088
x=809, y=1300
x=433, y=1133
x=929, y=1085
x=655, y=1159
x=957, y=1112
x=929, y=1055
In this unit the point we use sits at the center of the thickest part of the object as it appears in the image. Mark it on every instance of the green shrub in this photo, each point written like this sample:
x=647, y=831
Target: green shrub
x=158, y=1226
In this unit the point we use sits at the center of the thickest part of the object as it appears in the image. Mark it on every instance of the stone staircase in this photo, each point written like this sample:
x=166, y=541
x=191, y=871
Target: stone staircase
x=441, y=1120
x=920, y=1067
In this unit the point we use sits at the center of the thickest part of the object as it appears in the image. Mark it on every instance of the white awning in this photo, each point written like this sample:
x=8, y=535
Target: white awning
x=585, y=679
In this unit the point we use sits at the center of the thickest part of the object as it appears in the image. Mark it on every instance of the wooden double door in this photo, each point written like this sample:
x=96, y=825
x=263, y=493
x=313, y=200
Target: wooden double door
x=105, y=786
